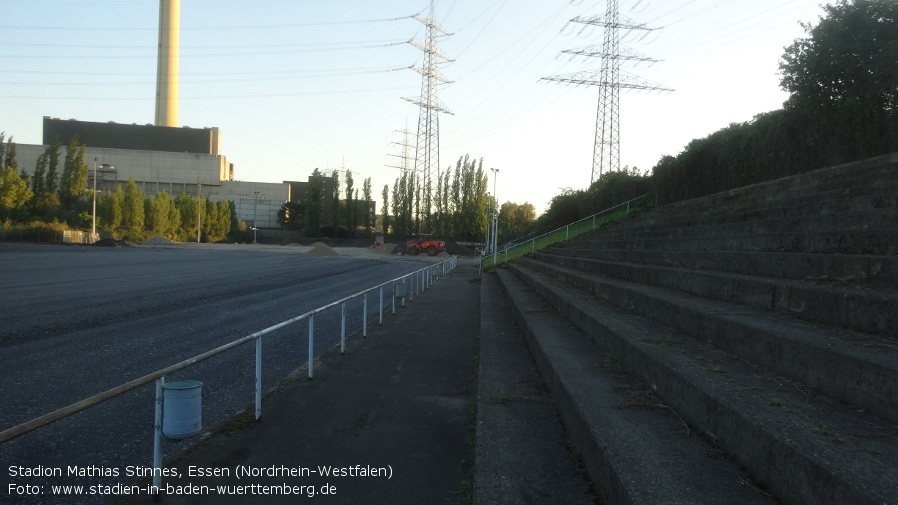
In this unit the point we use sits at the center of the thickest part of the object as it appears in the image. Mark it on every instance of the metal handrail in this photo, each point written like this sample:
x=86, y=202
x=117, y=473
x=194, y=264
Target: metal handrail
x=567, y=227
x=423, y=278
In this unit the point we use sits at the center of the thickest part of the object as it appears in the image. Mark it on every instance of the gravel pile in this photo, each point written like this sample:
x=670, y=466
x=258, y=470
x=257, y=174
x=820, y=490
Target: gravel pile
x=322, y=249
x=158, y=240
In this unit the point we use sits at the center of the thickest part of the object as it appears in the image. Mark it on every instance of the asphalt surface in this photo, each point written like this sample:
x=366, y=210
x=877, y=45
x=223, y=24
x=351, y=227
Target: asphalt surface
x=75, y=321
x=393, y=416
x=440, y=404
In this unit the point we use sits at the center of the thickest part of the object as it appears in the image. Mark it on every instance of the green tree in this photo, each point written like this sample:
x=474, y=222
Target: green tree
x=74, y=175
x=291, y=216
x=314, y=203
x=351, y=207
x=843, y=78
x=40, y=174
x=366, y=194
x=9, y=155
x=187, y=210
x=14, y=192
x=159, y=217
x=133, y=213
x=109, y=208
x=335, y=199
x=51, y=182
x=385, y=194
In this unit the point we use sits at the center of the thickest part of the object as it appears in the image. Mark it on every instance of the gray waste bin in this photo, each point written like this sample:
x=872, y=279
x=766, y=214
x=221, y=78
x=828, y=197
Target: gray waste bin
x=182, y=409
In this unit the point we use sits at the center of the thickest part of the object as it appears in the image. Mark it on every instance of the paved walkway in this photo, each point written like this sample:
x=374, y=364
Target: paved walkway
x=392, y=420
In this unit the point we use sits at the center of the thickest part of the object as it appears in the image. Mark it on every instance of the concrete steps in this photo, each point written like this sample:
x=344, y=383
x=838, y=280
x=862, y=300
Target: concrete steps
x=765, y=319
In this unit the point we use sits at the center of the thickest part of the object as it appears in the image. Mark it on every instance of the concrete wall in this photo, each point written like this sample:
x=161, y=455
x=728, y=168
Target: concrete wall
x=153, y=171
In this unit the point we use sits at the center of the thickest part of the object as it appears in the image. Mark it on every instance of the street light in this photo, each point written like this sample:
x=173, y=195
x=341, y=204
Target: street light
x=495, y=216
x=199, y=203
x=93, y=225
x=255, y=209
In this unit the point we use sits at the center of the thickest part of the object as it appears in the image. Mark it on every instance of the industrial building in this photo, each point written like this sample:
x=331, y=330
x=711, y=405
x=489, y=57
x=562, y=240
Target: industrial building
x=166, y=157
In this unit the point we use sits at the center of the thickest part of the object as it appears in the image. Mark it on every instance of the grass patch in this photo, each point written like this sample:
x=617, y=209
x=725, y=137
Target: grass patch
x=556, y=237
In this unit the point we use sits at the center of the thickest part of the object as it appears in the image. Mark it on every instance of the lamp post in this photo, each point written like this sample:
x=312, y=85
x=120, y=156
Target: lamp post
x=255, y=213
x=199, y=203
x=93, y=225
x=495, y=216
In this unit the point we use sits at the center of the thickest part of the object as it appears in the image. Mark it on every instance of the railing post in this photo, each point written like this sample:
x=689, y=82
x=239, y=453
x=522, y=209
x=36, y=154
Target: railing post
x=567, y=232
x=157, y=436
x=365, y=315
x=258, y=378
x=380, y=313
x=311, y=342
x=343, y=328
x=393, y=299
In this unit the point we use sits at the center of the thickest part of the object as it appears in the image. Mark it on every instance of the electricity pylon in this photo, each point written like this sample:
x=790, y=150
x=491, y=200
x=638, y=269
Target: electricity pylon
x=610, y=79
x=427, y=144
x=404, y=158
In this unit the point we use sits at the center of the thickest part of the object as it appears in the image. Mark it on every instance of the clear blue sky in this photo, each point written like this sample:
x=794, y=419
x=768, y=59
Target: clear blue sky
x=300, y=84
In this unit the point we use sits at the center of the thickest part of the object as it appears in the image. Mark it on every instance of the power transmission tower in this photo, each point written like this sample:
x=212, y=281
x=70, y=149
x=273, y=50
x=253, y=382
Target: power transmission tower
x=610, y=79
x=427, y=143
x=404, y=158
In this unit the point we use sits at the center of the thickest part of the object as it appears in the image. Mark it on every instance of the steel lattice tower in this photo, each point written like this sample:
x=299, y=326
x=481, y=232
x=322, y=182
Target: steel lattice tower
x=427, y=145
x=610, y=79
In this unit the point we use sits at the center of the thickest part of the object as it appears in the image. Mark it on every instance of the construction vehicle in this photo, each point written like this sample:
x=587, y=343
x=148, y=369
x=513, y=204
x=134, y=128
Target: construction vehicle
x=424, y=243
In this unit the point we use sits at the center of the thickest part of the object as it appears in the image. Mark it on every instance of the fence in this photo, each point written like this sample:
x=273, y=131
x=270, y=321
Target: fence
x=520, y=247
x=50, y=236
x=407, y=286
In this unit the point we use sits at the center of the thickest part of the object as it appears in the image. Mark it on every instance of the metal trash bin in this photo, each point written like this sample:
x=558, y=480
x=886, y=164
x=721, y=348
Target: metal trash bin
x=182, y=409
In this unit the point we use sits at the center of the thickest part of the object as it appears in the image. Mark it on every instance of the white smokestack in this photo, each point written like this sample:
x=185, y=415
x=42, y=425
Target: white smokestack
x=167, y=65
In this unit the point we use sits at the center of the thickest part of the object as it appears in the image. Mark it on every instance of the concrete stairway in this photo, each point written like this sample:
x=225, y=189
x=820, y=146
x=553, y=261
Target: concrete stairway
x=737, y=348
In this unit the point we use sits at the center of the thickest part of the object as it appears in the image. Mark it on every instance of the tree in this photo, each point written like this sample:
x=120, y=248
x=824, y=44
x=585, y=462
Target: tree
x=9, y=155
x=366, y=194
x=40, y=174
x=133, y=213
x=335, y=199
x=291, y=216
x=187, y=209
x=159, y=217
x=74, y=176
x=51, y=183
x=843, y=78
x=386, y=214
x=14, y=191
x=109, y=209
x=314, y=203
x=351, y=207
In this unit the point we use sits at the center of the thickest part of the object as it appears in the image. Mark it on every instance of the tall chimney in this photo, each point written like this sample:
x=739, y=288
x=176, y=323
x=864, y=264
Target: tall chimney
x=167, y=65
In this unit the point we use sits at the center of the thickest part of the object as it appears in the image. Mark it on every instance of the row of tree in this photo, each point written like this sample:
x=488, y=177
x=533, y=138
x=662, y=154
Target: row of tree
x=842, y=81
x=50, y=196
x=457, y=207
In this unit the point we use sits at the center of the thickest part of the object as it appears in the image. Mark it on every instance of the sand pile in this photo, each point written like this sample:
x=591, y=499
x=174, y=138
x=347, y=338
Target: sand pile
x=322, y=249
x=158, y=240
x=386, y=248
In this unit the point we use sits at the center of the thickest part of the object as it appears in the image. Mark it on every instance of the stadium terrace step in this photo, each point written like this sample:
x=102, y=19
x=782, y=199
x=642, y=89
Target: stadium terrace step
x=636, y=450
x=856, y=269
x=749, y=224
x=862, y=309
x=765, y=319
x=795, y=442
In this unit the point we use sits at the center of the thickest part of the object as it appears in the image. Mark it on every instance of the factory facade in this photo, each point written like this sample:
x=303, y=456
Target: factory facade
x=174, y=160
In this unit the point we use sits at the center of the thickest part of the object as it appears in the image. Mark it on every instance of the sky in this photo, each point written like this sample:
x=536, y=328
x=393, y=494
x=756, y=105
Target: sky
x=296, y=85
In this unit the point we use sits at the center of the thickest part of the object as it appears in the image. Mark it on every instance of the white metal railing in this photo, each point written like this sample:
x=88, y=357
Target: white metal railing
x=514, y=244
x=412, y=283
